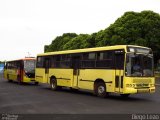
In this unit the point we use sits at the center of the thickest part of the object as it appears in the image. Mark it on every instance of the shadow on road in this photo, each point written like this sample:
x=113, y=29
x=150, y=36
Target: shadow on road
x=112, y=96
x=21, y=84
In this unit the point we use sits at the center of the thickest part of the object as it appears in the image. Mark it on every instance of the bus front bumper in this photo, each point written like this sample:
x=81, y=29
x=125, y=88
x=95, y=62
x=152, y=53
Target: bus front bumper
x=29, y=80
x=138, y=90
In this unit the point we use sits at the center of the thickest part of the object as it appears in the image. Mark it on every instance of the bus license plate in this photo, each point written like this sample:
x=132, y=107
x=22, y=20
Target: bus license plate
x=142, y=90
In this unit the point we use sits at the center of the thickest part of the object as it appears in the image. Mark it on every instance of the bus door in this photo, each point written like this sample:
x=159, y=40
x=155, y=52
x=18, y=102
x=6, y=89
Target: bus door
x=75, y=65
x=119, y=70
x=22, y=70
x=47, y=65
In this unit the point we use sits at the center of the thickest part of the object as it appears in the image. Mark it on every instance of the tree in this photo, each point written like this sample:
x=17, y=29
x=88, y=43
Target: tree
x=79, y=42
x=132, y=28
x=58, y=43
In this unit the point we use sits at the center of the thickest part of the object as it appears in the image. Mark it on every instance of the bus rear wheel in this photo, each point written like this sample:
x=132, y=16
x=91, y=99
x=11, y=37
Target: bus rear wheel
x=100, y=89
x=53, y=84
x=36, y=83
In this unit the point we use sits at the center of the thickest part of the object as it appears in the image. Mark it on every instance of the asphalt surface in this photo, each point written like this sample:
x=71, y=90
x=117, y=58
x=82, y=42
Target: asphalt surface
x=32, y=99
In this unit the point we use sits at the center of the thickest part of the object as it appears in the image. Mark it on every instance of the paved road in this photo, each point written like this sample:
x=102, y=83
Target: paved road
x=31, y=99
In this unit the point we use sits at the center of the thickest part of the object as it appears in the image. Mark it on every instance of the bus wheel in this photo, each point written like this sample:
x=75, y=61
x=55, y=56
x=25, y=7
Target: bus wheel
x=36, y=83
x=53, y=84
x=125, y=95
x=100, y=89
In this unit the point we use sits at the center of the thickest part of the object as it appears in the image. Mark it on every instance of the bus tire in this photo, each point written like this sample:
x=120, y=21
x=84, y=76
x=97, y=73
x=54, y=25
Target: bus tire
x=36, y=83
x=100, y=89
x=53, y=84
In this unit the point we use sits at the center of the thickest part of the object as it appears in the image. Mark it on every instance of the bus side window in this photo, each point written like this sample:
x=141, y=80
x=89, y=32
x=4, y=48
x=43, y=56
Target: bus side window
x=57, y=59
x=65, y=61
x=40, y=62
x=6, y=66
x=105, y=59
x=119, y=59
x=47, y=63
x=75, y=61
x=89, y=60
x=52, y=62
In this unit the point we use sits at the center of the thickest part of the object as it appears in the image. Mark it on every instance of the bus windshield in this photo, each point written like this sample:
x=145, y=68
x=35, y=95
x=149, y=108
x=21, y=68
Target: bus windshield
x=29, y=66
x=139, y=65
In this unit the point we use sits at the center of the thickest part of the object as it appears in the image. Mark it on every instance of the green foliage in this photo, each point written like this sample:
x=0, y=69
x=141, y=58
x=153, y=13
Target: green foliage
x=132, y=28
x=81, y=41
x=58, y=43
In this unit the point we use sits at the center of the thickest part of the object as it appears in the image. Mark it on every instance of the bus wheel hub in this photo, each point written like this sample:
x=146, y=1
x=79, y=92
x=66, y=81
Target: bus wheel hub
x=101, y=89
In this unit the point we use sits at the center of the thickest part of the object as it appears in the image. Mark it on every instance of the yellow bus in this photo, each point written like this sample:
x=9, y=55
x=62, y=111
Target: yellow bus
x=22, y=70
x=104, y=70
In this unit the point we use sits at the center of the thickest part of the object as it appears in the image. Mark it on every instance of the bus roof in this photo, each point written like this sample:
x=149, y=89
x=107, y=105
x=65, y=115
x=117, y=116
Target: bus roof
x=27, y=58
x=90, y=50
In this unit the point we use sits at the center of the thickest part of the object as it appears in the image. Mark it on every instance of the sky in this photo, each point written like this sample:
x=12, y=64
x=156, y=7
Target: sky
x=27, y=25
